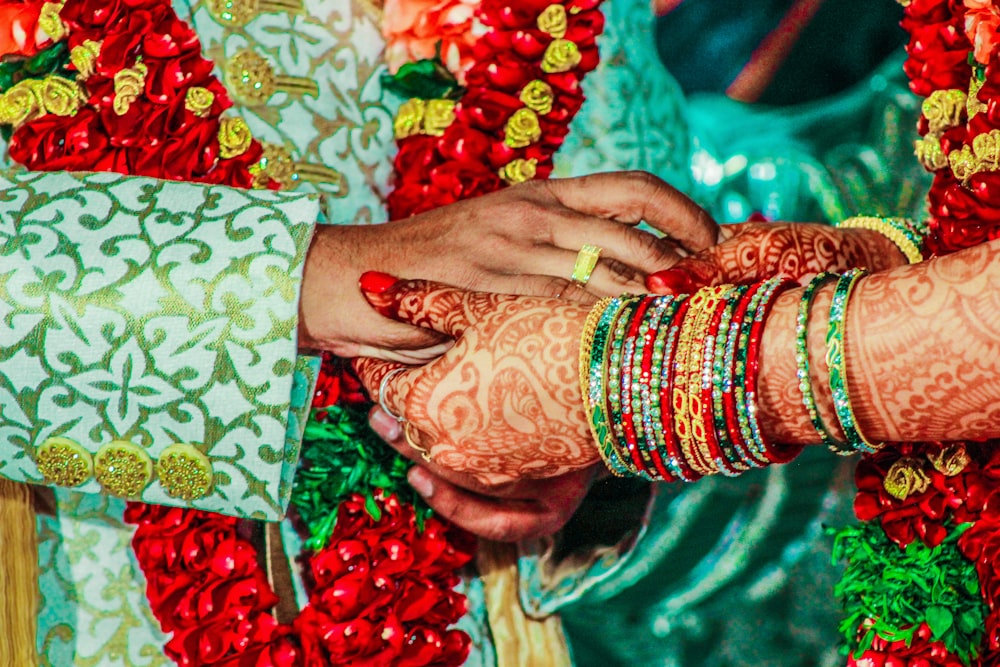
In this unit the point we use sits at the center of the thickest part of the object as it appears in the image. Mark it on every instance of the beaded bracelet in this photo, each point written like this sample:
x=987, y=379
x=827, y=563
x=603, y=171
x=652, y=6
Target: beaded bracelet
x=904, y=233
x=802, y=364
x=646, y=387
x=837, y=364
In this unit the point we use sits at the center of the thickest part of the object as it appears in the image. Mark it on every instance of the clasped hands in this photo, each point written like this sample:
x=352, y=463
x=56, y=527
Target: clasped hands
x=489, y=391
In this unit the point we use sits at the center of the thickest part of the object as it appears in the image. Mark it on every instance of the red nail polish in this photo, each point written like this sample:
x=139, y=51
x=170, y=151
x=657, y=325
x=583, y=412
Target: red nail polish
x=670, y=280
x=375, y=282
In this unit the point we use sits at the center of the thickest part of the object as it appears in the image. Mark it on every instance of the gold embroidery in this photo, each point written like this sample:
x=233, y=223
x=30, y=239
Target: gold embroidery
x=277, y=164
x=972, y=103
x=929, y=152
x=552, y=21
x=84, y=58
x=438, y=115
x=122, y=468
x=522, y=129
x=49, y=21
x=409, y=119
x=949, y=460
x=986, y=148
x=32, y=98
x=561, y=55
x=537, y=96
x=129, y=84
x=199, y=101
x=184, y=472
x=63, y=462
x=518, y=171
x=234, y=137
x=963, y=163
x=252, y=79
x=238, y=13
x=904, y=478
x=943, y=109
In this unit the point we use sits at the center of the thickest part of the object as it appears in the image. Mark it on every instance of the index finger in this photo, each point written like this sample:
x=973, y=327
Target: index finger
x=634, y=196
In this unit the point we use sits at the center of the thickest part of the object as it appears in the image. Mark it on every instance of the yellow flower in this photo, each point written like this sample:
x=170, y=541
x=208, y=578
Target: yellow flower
x=49, y=21
x=522, y=129
x=552, y=21
x=20, y=104
x=561, y=55
x=929, y=152
x=537, y=96
x=199, y=100
x=986, y=148
x=963, y=163
x=60, y=96
x=84, y=57
x=409, y=119
x=904, y=478
x=949, y=460
x=234, y=137
x=943, y=109
x=518, y=171
x=438, y=115
x=129, y=84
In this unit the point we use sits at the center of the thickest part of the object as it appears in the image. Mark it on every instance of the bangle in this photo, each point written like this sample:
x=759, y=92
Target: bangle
x=593, y=383
x=836, y=361
x=802, y=365
x=905, y=234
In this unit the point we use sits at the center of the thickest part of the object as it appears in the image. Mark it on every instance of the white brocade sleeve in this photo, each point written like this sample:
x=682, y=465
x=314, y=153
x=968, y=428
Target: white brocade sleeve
x=148, y=342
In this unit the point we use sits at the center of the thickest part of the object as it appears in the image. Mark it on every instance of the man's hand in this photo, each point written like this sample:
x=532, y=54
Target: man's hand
x=522, y=240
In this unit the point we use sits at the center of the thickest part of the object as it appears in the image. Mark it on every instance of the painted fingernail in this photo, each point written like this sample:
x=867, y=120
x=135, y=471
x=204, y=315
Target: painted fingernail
x=375, y=282
x=670, y=280
x=421, y=481
x=385, y=425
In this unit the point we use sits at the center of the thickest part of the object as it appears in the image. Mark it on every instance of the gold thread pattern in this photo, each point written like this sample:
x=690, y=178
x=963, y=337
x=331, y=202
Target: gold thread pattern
x=973, y=104
x=49, y=21
x=32, y=98
x=553, y=21
x=184, y=472
x=518, y=170
x=438, y=115
x=538, y=96
x=905, y=478
x=943, y=109
x=238, y=13
x=63, y=462
x=123, y=469
x=930, y=154
x=253, y=81
x=561, y=55
x=84, y=58
x=949, y=460
x=234, y=137
x=129, y=84
x=522, y=129
x=199, y=101
x=410, y=118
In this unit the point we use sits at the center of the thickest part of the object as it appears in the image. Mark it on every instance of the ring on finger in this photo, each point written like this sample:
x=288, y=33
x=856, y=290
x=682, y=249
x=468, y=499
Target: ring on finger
x=425, y=453
x=381, y=394
x=586, y=262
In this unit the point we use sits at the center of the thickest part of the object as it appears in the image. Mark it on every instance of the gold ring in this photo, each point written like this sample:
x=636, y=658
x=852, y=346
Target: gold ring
x=586, y=262
x=381, y=394
x=425, y=453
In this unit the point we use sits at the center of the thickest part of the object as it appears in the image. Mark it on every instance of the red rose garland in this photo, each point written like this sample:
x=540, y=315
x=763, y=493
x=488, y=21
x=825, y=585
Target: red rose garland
x=123, y=87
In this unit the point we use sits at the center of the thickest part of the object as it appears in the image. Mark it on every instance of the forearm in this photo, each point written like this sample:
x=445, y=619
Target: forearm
x=922, y=349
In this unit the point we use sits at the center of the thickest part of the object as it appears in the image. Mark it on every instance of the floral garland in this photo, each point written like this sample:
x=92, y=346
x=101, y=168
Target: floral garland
x=123, y=87
x=922, y=583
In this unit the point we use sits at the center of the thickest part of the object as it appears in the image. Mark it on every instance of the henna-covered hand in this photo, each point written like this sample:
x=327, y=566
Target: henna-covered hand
x=504, y=402
x=750, y=252
x=524, y=509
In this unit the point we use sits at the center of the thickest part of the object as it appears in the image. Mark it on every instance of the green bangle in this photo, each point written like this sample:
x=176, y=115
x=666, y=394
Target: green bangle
x=837, y=364
x=596, y=387
x=802, y=365
x=907, y=235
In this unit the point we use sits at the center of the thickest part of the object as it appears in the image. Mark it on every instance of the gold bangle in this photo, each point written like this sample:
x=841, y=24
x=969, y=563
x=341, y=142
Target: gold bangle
x=892, y=229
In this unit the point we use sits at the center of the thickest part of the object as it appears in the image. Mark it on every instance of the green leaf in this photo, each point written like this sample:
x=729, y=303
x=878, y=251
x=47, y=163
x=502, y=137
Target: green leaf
x=939, y=620
x=426, y=79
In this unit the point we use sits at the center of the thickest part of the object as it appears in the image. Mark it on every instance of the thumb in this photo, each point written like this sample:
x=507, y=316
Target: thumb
x=422, y=303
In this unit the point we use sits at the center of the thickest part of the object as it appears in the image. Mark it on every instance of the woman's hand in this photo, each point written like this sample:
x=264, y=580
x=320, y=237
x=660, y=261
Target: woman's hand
x=525, y=509
x=504, y=401
x=750, y=251
x=521, y=240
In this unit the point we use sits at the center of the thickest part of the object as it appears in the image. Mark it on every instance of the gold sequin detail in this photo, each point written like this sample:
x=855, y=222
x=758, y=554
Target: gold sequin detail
x=63, y=462
x=963, y=163
x=184, y=472
x=123, y=469
x=49, y=21
x=943, y=109
x=522, y=129
x=928, y=150
x=129, y=84
x=410, y=118
x=84, y=58
x=986, y=148
x=561, y=55
x=973, y=105
x=250, y=77
x=275, y=164
x=199, y=100
x=438, y=115
x=32, y=98
x=537, y=96
x=518, y=171
x=950, y=460
x=234, y=137
x=905, y=478
x=552, y=21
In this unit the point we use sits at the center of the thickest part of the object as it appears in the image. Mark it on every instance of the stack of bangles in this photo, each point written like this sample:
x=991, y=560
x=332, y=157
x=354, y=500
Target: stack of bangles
x=670, y=382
